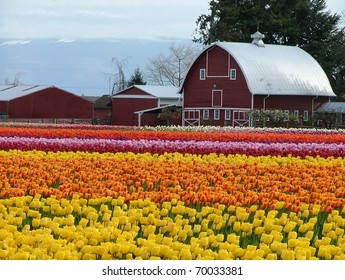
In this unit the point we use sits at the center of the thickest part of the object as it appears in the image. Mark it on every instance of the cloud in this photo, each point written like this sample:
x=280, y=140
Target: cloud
x=15, y=42
x=64, y=41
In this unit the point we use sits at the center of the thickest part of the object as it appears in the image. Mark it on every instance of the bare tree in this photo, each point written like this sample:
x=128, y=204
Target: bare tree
x=117, y=79
x=15, y=81
x=172, y=68
x=119, y=82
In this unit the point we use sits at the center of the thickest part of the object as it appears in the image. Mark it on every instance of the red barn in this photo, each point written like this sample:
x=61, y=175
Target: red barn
x=229, y=79
x=102, y=108
x=142, y=105
x=43, y=102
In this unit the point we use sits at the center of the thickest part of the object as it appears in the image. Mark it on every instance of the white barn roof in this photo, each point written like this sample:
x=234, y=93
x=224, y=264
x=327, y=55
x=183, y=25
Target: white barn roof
x=332, y=107
x=279, y=69
x=11, y=92
x=166, y=92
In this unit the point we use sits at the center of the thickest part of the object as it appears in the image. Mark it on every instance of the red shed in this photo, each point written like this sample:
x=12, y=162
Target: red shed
x=142, y=104
x=43, y=102
x=228, y=79
x=102, y=108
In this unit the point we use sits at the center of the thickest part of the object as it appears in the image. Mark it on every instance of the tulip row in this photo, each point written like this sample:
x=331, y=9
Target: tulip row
x=163, y=146
x=237, y=135
x=259, y=130
x=108, y=228
x=193, y=179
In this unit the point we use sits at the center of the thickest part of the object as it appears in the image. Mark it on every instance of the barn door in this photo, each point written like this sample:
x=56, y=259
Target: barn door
x=191, y=117
x=217, y=98
x=240, y=118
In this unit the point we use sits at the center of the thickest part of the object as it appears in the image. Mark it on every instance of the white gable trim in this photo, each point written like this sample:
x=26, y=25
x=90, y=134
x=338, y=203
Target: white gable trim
x=132, y=96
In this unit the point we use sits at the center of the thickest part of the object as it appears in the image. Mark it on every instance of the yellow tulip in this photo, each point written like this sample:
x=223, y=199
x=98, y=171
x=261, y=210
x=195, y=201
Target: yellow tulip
x=220, y=238
x=305, y=213
x=185, y=254
x=288, y=254
x=271, y=256
x=292, y=235
x=204, y=242
x=268, y=224
x=259, y=230
x=279, y=205
x=324, y=252
x=266, y=238
x=233, y=239
x=246, y=227
x=225, y=255
x=256, y=222
x=326, y=228
x=339, y=231
x=302, y=228
x=289, y=227
x=237, y=226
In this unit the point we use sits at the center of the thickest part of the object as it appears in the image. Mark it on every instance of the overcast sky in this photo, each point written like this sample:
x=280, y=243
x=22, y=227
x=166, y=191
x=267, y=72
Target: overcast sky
x=105, y=19
x=99, y=19
x=79, y=64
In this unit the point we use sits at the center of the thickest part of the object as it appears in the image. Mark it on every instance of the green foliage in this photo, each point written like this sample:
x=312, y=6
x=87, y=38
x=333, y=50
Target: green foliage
x=275, y=118
x=136, y=78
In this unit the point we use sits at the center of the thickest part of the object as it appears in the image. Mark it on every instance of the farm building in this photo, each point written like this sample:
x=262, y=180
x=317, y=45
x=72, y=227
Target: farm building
x=229, y=79
x=102, y=108
x=42, y=102
x=331, y=114
x=144, y=105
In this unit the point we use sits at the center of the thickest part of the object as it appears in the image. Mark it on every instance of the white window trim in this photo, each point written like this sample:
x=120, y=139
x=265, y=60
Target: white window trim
x=205, y=114
x=296, y=113
x=202, y=74
x=233, y=74
x=227, y=116
x=305, y=115
x=216, y=116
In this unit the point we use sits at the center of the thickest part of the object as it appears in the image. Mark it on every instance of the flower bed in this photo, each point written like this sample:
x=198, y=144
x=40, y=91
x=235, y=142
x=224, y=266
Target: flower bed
x=144, y=194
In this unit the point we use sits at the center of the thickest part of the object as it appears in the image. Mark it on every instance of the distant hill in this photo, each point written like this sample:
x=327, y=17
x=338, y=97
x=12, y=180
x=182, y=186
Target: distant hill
x=81, y=67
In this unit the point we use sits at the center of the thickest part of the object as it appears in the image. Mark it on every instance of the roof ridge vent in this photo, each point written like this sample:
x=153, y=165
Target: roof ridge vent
x=257, y=39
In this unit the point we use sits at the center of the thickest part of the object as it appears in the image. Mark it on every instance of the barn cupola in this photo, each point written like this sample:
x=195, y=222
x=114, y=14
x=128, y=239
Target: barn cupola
x=257, y=39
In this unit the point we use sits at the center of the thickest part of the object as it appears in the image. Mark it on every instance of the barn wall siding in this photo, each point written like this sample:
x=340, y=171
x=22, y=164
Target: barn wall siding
x=3, y=107
x=217, y=62
x=198, y=93
x=50, y=103
x=123, y=111
x=290, y=103
x=101, y=113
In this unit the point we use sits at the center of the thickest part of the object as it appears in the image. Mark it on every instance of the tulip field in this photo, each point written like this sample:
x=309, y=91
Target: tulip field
x=82, y=192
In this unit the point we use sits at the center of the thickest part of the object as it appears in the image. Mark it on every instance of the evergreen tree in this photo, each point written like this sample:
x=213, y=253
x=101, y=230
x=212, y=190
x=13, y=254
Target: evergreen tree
x=305, y=23
x=136, y=78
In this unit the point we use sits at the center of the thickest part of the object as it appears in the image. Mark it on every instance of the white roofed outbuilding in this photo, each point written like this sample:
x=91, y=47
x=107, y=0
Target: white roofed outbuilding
x=142, y=104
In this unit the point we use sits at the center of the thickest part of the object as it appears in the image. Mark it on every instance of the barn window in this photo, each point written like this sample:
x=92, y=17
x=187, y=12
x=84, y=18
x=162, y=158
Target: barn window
x=305, y=115
x=202, y=74
x=286, y=115
x=205, y=114
x=296, y=113
x=227, y=115
x=232, y=74
x=216, y=115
